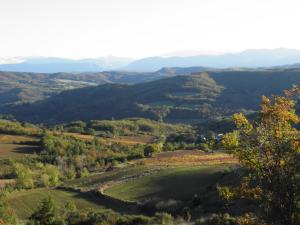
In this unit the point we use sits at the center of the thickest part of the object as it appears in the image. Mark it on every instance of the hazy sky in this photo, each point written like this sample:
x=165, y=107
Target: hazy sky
x=139, y=28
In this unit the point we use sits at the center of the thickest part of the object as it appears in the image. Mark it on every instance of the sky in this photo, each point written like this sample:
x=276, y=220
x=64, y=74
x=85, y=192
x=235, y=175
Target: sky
x=143, y=28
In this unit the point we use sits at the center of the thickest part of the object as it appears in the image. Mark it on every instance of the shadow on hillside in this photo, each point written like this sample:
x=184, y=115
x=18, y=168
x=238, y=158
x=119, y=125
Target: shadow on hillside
x=27, y=149
x=105, y=201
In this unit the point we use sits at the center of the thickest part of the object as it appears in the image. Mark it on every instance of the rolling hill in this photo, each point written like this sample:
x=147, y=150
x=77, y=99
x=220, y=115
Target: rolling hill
x=198, y=97
x=22, y=87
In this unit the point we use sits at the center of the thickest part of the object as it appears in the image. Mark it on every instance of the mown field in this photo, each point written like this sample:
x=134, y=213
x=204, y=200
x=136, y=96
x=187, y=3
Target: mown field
x=145, y=167
x=178, y=183
x=25, y=202
x=12, y=146
x=188, y=157
x=102, y=180
x=132, y=183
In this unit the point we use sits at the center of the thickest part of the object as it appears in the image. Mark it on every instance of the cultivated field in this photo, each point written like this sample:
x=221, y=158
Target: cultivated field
x=25, y=202
x=11, y=146
x=105, y=179
x=4, y=182
x=188, y=157
x=178, y=183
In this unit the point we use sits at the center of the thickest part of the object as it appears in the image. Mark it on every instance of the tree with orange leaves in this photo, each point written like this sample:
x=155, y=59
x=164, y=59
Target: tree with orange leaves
x=270, y=150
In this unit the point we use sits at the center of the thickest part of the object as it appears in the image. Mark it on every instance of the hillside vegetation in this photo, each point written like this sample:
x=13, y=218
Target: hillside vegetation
x=193, y=98
x=24, y=87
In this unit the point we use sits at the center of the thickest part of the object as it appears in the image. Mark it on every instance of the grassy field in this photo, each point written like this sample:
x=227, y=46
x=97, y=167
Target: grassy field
x=4, y=182
x=188, y=157
x=25, y=202
x=11, y=146
x=103, y=179
x=179, y=183
x=148, y=166
x=7, y=139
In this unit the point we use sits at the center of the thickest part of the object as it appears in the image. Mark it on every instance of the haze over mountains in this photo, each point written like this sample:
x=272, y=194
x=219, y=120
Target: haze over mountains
x=55, y=65
x=185, y=93
x=248, y=58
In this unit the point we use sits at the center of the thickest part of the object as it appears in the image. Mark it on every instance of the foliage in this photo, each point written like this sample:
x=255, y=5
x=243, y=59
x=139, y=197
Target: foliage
x=46, y=214
x=17, y=128
x=77, y=157
x=193, y=98
x=24, y=176
x=270, y=150
x=50, y=176
x=152, y=149
x=124, y=127
x=6, y=214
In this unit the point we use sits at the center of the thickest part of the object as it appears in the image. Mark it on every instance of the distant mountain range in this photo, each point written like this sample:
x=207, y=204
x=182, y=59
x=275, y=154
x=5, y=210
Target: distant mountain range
x=56, y=65
x=247, y=59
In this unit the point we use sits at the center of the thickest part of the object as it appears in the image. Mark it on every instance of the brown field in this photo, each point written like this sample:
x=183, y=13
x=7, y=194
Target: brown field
x=4, y=182
x=188, y=157
x=9, y=139
x=17, y=150
x=11, y=146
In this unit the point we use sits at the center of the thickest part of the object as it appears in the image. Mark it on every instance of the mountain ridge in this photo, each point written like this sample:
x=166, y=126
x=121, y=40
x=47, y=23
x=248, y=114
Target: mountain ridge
x=252, y=58
x=197, y=97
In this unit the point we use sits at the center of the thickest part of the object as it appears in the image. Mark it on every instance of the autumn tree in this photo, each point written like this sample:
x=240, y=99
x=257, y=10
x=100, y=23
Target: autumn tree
x=46, y=214
x=24, y=176
x=270, y=151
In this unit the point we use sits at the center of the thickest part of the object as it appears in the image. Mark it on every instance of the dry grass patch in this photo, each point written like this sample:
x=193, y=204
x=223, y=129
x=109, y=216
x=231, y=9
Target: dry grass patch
x=12, y=146
x=10, y=139
x=188, y=157
x=17, y=150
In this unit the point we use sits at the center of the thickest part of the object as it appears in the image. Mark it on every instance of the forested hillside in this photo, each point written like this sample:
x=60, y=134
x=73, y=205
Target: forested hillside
x=22, y=87
x=197, y=97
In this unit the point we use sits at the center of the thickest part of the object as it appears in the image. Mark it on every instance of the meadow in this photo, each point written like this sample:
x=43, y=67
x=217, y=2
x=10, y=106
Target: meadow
x=177, y=183
x=16, y=146
x=25, y=202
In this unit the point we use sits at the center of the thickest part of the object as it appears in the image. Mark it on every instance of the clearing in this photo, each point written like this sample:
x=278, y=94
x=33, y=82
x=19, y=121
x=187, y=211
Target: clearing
x=13, y=146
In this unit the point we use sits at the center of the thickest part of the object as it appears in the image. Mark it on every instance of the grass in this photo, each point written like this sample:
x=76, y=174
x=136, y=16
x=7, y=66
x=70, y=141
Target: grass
x=25, y=202
x=113, y=176
x=11, y=146
x=5, y=138
x=4, y=182
x=179, y=183
x=188, y=157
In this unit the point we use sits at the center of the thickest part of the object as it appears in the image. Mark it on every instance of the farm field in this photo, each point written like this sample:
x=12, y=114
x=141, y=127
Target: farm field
x=11, y=146
x=25, y=202
x=102, y=180
x=188, y=157
x=178, y=183
x=146, y=167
